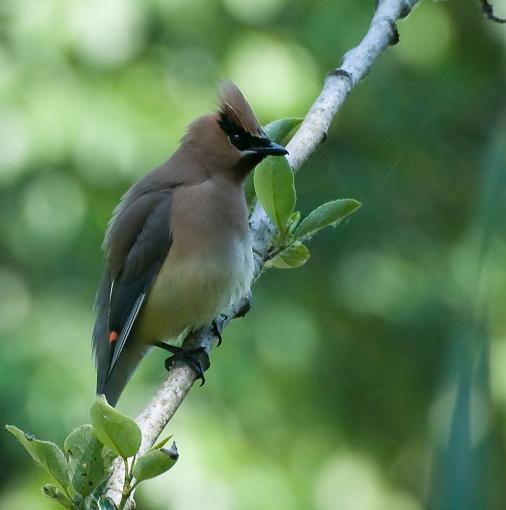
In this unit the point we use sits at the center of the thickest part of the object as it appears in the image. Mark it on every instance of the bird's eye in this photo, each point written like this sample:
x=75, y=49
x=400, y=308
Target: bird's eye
x=235, y=137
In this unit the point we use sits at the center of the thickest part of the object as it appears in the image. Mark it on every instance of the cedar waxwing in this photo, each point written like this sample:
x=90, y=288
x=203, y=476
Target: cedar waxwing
x=178, y=249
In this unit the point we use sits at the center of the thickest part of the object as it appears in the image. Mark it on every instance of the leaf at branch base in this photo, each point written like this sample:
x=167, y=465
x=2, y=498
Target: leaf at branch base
x=44, y=453
x=249, y=191
x=155, y=463
x=119, y=433
x=108, y=457
x=294, y=256
x=279, y=131
x=105, y=503
x=292, y=222
x=275, y=189
x=57, y=496
x=85, y=461
x=102, y=503
x=161, y=443
x=326, y=215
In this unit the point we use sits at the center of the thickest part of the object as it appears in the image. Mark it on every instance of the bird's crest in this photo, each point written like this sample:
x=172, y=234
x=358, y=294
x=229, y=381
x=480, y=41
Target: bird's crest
x=235, y=110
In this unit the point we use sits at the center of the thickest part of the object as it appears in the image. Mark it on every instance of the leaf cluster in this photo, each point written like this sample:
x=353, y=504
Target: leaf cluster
x=82, y=468
x=274, y=187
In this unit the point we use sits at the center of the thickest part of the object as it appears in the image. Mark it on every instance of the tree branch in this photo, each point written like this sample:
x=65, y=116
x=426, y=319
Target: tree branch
x=338, y=84
x=488, y=11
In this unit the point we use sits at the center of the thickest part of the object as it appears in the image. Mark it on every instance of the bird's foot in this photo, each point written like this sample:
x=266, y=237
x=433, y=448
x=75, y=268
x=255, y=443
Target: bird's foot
x=245, y=306
x=216, y=328
x=191, y=357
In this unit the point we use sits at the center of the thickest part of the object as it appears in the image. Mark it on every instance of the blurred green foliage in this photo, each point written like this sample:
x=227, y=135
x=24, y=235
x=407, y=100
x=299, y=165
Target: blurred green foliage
x=373, y=377
x=82, y=469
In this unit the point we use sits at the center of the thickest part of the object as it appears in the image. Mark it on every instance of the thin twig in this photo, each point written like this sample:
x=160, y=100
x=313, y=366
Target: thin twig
x=338, y=84
x=488, y=10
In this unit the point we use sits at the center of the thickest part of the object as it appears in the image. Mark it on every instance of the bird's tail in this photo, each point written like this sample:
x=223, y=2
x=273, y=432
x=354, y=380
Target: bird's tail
x=112, y=382
x=113, y=385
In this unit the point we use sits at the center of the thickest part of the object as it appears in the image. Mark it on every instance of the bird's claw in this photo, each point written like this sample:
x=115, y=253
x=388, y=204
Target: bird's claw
x=190, y=357
x=216, y=330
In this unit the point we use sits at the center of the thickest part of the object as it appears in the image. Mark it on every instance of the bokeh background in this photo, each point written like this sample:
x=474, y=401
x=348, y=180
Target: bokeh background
x=373, y=378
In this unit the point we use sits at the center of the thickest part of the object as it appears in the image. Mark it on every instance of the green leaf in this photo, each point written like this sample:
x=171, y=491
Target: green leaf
x=249, y=191
x=275, y=189
x=162, y=443
x=44, y=453
x=279, y=131
x=108, y=457
x=103, y=503
x=56, y=495
x=155, y=463
x=86, y=465
x=326, y=215
x=119, y=433
x=293, y=256
x=293, y=221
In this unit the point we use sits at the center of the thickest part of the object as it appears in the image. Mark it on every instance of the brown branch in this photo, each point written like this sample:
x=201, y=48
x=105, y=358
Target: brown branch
x=356, y=64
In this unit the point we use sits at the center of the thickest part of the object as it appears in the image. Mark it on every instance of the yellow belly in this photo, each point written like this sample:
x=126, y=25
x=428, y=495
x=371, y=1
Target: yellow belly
x=189, y=293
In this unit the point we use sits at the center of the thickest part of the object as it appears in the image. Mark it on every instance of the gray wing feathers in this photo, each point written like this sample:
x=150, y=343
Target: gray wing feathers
x=131, y=356
x=137, y=242
x=125, y=332
x=101, y=348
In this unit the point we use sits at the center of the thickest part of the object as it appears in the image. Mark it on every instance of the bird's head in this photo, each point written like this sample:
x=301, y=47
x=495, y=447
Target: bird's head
x=231, y=140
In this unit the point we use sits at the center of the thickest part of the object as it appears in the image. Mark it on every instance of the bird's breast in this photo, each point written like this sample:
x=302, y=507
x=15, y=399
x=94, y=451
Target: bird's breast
x=208, y=268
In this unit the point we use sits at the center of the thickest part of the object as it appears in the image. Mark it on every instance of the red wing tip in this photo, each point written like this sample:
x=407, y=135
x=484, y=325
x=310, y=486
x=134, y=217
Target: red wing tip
x=113, y=336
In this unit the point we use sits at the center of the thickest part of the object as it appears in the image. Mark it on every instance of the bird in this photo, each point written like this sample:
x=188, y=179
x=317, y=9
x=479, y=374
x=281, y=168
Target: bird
x=178, y=247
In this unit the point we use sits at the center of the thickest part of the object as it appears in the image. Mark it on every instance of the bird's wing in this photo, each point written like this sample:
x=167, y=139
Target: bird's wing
x=137, y=242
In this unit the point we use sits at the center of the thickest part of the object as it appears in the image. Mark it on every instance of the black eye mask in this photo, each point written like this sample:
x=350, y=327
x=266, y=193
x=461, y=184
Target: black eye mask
x=238, y=137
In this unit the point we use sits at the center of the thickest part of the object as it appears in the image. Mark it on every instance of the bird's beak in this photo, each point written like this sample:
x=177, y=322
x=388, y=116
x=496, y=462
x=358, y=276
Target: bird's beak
x=269, y=148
